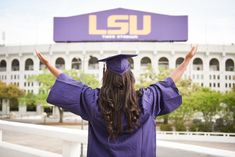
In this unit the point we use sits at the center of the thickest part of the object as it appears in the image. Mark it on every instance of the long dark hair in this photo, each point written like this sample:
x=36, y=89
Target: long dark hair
x=118, y=97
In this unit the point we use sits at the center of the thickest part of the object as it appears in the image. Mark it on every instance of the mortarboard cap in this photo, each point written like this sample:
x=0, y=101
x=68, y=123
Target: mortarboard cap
x=119, y=63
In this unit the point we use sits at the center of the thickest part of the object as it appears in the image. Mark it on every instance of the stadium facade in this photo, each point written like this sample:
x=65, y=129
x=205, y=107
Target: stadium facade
x=119, y=31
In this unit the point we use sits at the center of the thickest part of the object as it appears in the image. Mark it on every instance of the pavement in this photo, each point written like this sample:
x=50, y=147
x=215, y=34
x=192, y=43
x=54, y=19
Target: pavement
x=55, y=145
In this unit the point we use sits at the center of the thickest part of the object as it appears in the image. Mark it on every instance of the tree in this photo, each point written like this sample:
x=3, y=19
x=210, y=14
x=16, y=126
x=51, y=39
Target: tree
x=11, y=92
x=46, y=80
x=207, y=102
x=186, y=87
x=229, y=100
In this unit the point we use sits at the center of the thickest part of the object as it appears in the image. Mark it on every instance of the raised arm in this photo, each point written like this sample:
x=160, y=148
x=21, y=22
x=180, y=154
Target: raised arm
x=56, y=72
x=179, y=71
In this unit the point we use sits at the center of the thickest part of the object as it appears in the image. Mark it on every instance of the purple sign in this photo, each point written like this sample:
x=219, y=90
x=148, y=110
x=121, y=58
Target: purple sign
x=121, y=25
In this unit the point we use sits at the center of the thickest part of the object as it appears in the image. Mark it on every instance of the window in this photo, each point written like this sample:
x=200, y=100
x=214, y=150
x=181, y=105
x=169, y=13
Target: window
x=131, y=61
x=3, y=65
x=229, y=65
x=28, y=64
x=179, y=61
x=197, y=64
x=93, y=63
x=145, y=62
x=76, y=63
x=214, y=65
x=163, y=63
x=42, y=66
x=15, y=65
x=60, y=63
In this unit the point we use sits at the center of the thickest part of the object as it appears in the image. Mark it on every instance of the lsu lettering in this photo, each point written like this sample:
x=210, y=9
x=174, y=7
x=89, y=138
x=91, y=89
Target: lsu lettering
x=120, y=25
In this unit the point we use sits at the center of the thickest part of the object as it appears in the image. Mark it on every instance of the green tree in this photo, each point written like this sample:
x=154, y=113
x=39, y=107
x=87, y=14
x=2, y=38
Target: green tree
x=207, y=102
x=46, y=80
x=227, y=120
x=186, y=87
x=11, y=92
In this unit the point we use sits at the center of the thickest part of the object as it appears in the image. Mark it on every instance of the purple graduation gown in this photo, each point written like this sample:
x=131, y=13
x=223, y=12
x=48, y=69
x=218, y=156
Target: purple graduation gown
x=158, y=99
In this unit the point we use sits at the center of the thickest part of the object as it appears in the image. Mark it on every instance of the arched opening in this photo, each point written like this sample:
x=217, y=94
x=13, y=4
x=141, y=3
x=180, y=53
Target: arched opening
x=28, y=64
x=145, y=62
x=197, y=64
x=31, y=107
x=229, y=65
x=163, y=63
x=60, y=63
x=131, y=61
x=93, y=63
x=14, y=105
x=15, y=65
x=48, y=110
x=179, y=61
x=42, y=66
x=3, y=65
x=76, y=63
x=214, y=65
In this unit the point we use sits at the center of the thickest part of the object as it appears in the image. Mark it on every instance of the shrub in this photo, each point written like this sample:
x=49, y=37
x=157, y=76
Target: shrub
x=165, y=127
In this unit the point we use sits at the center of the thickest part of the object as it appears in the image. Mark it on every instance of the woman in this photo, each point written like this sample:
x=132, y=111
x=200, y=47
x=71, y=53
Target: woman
x=121, y=120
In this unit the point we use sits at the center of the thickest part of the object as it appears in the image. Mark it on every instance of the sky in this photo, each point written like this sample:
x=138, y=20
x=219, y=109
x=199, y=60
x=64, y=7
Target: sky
x=30, y=22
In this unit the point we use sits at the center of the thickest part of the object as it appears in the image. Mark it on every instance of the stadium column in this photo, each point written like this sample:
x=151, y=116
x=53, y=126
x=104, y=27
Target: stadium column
x=21, y=70
x=67, y=60
x=85, y=60
x=36, y=62
x=8, y=70
x=206, y=70
x=222, y=72
x=155, y=61
x=172, y=60
x=5, y=107
x=22, y=109
x=101, y=64
x=137, y=68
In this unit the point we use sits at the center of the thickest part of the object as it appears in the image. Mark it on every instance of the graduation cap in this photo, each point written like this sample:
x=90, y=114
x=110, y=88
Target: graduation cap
x=118, y=64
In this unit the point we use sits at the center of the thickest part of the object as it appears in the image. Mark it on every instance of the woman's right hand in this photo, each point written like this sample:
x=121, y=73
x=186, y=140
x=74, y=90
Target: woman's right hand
x=56, y=72
x=191, y=53
x=41, y=57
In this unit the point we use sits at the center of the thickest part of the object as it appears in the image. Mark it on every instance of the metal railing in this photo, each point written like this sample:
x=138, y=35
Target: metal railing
x=197, y=136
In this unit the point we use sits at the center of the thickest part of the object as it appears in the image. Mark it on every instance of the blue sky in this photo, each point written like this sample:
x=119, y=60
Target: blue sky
x=31, y=21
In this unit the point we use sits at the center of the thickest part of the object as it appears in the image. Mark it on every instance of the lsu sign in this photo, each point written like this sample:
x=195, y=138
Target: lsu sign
x=121, y=25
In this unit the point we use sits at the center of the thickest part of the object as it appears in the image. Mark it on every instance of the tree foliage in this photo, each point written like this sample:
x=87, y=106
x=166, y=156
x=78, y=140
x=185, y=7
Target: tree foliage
x=11, y=92
x=46, y=81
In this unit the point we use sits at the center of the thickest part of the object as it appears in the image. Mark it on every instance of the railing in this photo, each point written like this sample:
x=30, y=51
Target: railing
x=72, y=140
x=197, y=136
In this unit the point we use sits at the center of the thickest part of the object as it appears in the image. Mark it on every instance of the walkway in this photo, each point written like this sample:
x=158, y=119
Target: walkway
x=55, y=145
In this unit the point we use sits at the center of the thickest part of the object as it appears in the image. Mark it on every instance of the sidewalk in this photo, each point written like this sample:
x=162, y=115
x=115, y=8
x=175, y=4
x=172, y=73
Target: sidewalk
x=55, y=145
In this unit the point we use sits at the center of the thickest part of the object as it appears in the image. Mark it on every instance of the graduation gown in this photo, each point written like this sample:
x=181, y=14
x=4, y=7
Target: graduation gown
x=157, y=99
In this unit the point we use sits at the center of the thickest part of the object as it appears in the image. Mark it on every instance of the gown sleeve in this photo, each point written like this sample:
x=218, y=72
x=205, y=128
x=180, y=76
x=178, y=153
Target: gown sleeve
x=73, y=96
x=161, y=98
